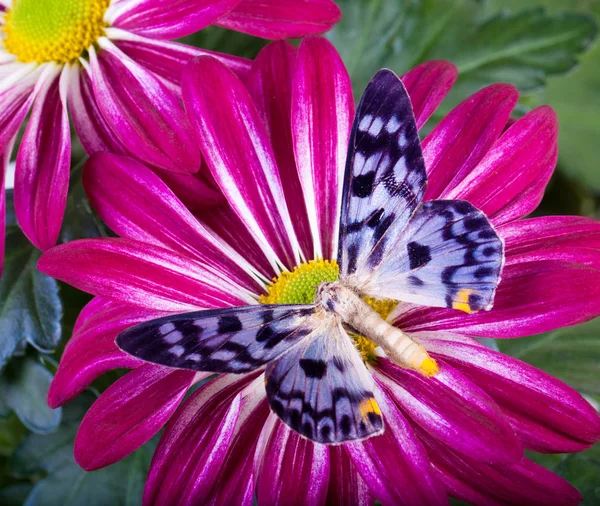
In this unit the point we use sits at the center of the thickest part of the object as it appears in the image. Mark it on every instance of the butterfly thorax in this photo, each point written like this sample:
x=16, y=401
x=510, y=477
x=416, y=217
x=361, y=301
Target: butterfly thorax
x=354, y=312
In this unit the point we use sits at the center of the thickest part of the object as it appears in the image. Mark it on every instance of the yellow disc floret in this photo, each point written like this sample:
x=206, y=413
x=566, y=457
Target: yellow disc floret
x=300, y=285
x=53, y=30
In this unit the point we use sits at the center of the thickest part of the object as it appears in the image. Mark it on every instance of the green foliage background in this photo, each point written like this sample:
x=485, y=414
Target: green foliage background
x=544, y=47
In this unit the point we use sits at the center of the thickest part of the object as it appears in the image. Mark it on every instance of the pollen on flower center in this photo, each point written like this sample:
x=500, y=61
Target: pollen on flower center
x=53, y=30
x=300, y=286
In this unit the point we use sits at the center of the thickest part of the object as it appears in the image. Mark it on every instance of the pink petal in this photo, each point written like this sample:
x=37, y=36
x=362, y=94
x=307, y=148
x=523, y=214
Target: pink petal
x=453, y=410
x=236, y=146
x=15, y=103
x=274, y=19
x=154, y=215
x=92, y=129
x=458, y=143
x=395, y=464
x=168, y=59
x=235, y=482
x=43, y=161
x=322, y=114
x=227, y=225
x=129, y=413
x=195, y=444
x=194, y=190
x=345, y=484
x=139, y=274
x=146, y=116
x=547, y=415
x=92, y=351
x=291, y=464
x=509, y=181
x=548, y=233
x=171, y=20
x=270, y=83
x=427, y=85
x=521, y=484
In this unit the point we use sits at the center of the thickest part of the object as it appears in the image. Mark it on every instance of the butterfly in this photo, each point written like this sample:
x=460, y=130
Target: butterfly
x=392, y=245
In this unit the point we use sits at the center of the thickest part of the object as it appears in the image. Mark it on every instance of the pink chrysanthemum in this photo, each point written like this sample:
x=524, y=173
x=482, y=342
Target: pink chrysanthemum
x=277, y=152
x=109, y=62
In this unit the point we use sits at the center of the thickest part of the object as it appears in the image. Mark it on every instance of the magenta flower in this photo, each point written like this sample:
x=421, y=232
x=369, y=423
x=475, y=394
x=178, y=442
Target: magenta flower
x=109, y=62
x=277, y=152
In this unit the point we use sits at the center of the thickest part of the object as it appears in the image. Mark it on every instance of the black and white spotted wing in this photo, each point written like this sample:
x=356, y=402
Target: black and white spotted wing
x=323, y=390
x=385, y=176
x=236, y=339
x=449, y=255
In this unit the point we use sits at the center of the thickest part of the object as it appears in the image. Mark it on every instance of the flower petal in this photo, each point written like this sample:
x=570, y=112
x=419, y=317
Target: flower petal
x=43, y=161
x=195, y=444
x=520, y=484
x=273, y=19
x=322, y=114
x=270, y=83
x=129, y=413
x=291, y=464
x=139, y=274
x=547, y=415
x=168, y=59
x=346, y=486
x=160, y=20
x=464, y=136
x=427, y=85
x=15, y=103
x=146, y=116
x=153, y=214
x=510, y=180
x=380, y=459
x=453, y=410
x=235, y=482
x=92, y=351
x=92, y=129
x=235, y=145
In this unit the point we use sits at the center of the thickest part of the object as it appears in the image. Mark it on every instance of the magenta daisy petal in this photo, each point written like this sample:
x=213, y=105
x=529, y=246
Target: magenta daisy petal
x=434, y=415
x=126, y=417
x=120, y=83
x=322, y=112
x=182, y=17
x=428, y=84
x=459, y=142
x=273, y=19
x=91, y=351
x=235, y=144
x=44, y=161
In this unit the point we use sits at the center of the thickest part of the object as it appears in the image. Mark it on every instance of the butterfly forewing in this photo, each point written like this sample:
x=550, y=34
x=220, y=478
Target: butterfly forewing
x=237, y=339
x=449, y=255
x=385, y=176
x=323, y=390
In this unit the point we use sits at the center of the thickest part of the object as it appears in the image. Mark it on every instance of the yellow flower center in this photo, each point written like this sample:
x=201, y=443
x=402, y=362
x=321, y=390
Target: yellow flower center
x=53, y=30
x=300, y=287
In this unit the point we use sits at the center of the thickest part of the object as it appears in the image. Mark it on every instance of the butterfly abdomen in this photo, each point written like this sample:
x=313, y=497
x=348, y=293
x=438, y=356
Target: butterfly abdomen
x=356, y=313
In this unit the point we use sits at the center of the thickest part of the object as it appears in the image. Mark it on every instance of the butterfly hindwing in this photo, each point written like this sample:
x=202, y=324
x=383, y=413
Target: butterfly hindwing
x=323, y=390
x=236, y=339
x=448, y=256
x=385, y=175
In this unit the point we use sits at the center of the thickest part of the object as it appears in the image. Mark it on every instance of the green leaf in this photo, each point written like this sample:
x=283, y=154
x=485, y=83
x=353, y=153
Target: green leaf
x=30, y=308
x=24, y=386
x=521, y=48
x=11, y=433
x=65, y=483
x=571, y=354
